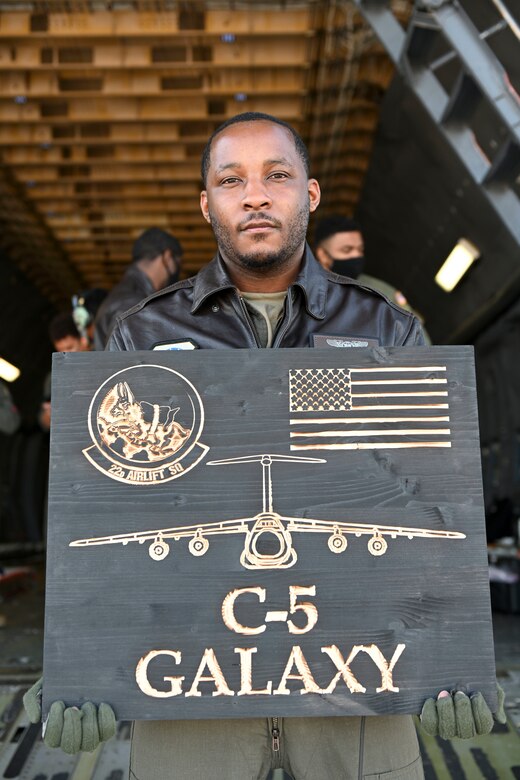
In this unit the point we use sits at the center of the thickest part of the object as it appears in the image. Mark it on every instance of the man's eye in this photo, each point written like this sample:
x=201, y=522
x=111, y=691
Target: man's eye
x=230, y=180
x=278, y=175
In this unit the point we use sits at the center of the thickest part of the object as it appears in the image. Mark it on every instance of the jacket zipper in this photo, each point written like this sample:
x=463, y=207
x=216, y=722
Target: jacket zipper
x=248, y=320
x=286, y=320
x=275, y=733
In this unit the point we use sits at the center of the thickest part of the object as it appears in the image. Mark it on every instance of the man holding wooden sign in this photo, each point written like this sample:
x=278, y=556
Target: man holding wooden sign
x=265, y=289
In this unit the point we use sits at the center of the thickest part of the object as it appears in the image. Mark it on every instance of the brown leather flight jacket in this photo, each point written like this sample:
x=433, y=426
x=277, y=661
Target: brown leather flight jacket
x=207, y=311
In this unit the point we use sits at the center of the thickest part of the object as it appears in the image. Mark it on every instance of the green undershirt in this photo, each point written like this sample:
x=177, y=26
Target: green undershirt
x=266, y=311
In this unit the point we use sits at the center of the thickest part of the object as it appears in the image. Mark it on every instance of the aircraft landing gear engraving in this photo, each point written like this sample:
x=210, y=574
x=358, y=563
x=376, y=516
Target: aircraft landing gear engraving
x=377, y=545
x=199, y=545
x=337, y=543
x=158, y=549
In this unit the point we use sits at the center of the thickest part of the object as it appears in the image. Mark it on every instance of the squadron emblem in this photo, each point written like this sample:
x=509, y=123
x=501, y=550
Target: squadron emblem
x=142, y=434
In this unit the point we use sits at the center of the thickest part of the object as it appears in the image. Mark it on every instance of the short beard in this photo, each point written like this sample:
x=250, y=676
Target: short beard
x=274, y=261
x=256, y=261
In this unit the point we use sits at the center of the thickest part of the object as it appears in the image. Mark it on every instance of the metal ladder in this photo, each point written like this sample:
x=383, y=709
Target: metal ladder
x=482, y=83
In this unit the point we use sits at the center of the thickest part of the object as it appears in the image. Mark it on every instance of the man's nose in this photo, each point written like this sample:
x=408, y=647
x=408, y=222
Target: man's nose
x=256, y=196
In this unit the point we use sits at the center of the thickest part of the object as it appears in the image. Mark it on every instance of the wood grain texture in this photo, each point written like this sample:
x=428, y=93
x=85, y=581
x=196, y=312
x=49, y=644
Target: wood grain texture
x=110, y=604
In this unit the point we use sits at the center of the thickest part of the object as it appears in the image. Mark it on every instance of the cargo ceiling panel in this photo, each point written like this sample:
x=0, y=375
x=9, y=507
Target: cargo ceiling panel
x=105, y=109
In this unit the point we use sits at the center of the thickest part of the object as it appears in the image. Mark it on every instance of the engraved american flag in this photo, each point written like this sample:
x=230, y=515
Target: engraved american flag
x=383, y=407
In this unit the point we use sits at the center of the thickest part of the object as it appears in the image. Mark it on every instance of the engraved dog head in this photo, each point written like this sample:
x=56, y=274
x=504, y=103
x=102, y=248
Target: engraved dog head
x=139, y=425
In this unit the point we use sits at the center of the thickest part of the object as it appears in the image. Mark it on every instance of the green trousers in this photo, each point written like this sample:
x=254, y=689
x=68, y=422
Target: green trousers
x=372, y=748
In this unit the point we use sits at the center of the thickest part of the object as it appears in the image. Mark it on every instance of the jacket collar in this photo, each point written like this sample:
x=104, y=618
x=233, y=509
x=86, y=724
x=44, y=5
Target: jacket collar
x=313, y=282
x=311, y=279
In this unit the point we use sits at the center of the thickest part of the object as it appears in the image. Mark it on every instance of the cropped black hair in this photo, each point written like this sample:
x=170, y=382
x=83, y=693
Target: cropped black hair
x=253, y=116
x=154, y=241
x=61, y=326
x=334, y=223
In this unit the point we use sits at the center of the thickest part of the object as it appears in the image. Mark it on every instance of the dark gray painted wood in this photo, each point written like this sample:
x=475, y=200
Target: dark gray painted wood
x=108, y=605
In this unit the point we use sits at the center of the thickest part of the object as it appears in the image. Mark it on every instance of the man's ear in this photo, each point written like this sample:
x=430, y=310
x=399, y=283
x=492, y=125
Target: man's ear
x=168, y=255
x=314, y=194
x=321, y=257
x=204, y=206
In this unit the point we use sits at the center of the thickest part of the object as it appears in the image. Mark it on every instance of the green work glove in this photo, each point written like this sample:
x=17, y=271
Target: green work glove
x=458, y=715
x=70, y=728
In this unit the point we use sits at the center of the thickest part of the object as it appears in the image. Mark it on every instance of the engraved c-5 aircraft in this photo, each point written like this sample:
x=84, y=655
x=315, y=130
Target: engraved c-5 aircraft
x=268, y=525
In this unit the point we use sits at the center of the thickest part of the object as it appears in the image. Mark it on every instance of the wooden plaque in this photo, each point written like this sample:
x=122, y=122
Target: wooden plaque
x=238, y=533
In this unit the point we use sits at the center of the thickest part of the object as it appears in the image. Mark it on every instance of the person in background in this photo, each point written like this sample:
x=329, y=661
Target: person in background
x=65, y=337
x=339, y=247
x=64, y=334
x=156, y=263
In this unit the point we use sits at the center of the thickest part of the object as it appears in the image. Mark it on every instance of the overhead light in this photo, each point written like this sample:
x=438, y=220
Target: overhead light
x=8, y=371
x=456, y=264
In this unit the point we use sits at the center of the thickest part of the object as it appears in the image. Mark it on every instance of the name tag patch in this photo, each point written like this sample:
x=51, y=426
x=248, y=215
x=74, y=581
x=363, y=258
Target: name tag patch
x=343, y=342
x=167, y=346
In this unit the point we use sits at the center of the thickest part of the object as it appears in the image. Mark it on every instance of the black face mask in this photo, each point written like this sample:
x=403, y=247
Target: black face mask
x=352, y=267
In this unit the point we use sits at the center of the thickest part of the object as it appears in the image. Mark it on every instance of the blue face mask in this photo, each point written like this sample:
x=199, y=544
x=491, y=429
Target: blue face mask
x=352, y=267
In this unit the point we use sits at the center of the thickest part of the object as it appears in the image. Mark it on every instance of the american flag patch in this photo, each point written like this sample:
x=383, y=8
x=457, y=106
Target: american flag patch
x=369, y=408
